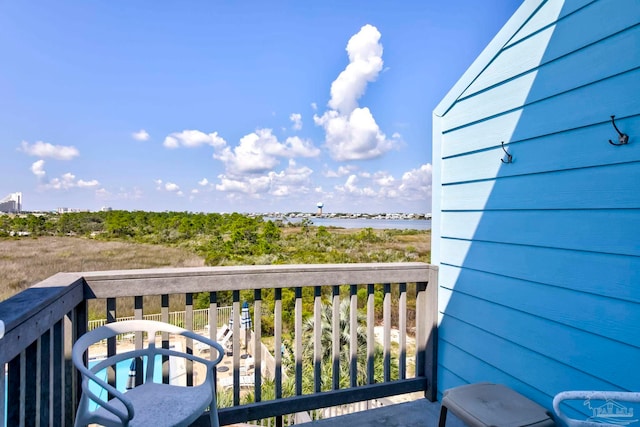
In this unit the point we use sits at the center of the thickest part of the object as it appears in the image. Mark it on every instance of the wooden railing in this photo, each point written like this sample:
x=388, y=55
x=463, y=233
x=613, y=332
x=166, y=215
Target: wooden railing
x=43, y=322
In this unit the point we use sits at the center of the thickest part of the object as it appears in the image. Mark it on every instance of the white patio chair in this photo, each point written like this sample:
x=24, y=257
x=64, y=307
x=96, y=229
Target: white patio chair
x=611, y=412
x=149, y=404
x=221, y=338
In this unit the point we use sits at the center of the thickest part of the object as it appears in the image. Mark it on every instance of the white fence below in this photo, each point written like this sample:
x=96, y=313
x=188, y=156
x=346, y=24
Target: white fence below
x=200, y=318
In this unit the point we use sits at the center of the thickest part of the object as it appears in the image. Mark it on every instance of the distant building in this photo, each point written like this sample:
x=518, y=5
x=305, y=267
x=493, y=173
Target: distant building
x=12, y=203
x=70, y=210
x=320, y=205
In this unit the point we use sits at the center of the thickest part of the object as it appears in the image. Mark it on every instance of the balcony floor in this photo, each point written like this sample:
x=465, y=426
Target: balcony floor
x=417, y=413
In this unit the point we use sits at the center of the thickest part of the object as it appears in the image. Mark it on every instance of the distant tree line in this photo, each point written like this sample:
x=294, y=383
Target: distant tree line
x=221, y=239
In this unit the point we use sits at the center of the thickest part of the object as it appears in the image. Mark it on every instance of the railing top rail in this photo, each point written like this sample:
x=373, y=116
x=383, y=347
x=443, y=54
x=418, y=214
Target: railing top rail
x=31, y=312
x=122, y=283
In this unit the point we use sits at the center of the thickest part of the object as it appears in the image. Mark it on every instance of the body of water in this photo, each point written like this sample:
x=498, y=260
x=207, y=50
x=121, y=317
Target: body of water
x=397, y=224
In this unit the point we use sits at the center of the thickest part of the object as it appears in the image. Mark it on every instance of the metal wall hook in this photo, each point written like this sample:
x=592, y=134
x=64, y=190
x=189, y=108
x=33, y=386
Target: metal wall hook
x=623, y=138
x=509, y=156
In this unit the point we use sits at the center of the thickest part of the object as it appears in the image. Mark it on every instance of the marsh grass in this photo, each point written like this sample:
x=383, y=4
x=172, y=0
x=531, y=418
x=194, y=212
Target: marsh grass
x=27, y=261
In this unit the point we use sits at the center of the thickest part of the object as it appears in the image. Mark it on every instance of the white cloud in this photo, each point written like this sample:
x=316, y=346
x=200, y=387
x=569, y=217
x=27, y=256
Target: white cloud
x=44, y=149
x=384, y=179
x=87, y=184
x=170, y=186
x=38, y=169
x=414, y=185
x=195, y=191
x=351, y=187
x=342, y=171
x=351, y=132
x=193, y=138
x=296, y=119
x=314, y=106
x=293, y=175
x=141, y=135
x=246, y=185
x=297, y=147
x=365, y=63
x=68, y=181
x=203, y=182
x=292, y=180
x=355, y=136
x=417, y=183
x=258, y=152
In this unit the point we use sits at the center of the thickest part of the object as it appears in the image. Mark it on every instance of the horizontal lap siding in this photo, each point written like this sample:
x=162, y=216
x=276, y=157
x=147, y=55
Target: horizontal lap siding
x=608, y=275
x=540, y=258
x=608, y=230
x=573, y=149
x=512, y=63
x=581, y=107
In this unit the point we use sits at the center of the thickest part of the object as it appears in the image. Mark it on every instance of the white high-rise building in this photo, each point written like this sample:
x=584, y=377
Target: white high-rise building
x=12, y=203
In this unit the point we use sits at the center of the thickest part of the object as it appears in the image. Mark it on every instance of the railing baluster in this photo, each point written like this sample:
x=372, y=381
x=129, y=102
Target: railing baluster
x=402, y=326
x=138, y=315
x=213, y=329
x=111, y=343
x=188, y=324
x=71, y=384
x=420, y=329
x=371, y=340
x=298, y=340
x=277, y=324
x=431, y=324
x=353, y=339
x=57, y=375
x=386, y=314
x=317, y=343
x=335, y=326
x=236, y=348
x=257, y=344
x=44, y=378
x=213, y=320
x=164, y=312
x=14, y=392
x=30, y=384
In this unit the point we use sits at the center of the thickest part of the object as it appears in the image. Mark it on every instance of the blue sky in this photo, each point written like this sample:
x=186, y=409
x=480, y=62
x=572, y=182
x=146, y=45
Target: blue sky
x=215, y=106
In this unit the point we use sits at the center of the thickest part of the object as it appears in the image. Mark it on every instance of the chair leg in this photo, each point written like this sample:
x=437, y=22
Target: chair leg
x=213, y=411
x=213, y=418
x=443, y=416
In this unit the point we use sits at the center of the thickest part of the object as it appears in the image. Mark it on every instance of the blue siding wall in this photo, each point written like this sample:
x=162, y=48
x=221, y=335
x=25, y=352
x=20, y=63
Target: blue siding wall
x=540, y=259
